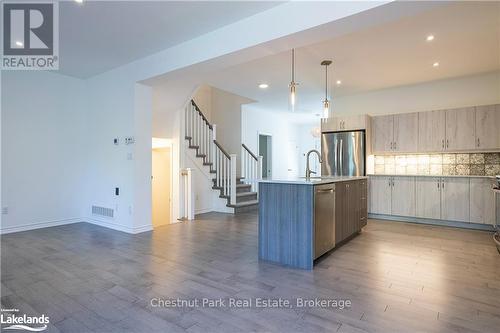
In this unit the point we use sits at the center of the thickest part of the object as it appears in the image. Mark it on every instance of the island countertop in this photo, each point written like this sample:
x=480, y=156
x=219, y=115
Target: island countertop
x=311, y=181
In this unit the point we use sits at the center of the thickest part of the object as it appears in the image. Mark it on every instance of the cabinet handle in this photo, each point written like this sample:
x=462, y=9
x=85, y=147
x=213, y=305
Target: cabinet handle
x=478, y=143
x=389, y=182
x=395, y=145
x=442, y=143
x=447, y=143
x=438, y=183
x=442, y=184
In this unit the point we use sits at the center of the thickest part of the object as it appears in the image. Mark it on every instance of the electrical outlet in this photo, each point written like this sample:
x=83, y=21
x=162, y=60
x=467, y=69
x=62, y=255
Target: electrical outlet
x=5, y=210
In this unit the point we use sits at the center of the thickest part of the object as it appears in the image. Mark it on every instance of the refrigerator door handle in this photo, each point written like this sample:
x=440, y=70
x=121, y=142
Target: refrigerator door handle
x=341, y=158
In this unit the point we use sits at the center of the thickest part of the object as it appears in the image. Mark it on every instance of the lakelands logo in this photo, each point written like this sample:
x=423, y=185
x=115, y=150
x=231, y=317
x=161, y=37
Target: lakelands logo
x=10, y=319
x=30, y=36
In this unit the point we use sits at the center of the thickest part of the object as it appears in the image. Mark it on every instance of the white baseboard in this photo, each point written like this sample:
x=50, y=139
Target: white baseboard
x=39, y=225
x=119, y=227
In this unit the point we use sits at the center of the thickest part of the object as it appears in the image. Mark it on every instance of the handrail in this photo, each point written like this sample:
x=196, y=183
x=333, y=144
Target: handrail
x=221, y=149
x=201, y=114
x=249, y=151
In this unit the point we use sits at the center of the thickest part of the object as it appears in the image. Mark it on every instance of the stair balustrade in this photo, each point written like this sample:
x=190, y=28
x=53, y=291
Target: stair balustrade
x=251, y=167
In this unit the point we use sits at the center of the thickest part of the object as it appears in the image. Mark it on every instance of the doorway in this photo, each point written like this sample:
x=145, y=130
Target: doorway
x=266, y=151
x=161, y=184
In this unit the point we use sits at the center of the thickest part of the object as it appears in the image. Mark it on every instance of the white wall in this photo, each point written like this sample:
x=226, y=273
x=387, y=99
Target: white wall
x=451, y=93
x=43, y=149
x=289, y=139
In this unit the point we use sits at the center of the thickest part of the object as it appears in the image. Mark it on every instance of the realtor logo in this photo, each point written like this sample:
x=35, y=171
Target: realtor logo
x=30, y=37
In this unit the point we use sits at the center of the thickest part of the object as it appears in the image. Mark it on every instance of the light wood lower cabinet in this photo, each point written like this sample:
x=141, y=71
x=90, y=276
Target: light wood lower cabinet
x=380, y=195
x=428, y=197
x=455, y=199
x=403, y=196
x=458, y=199
x=482, y=201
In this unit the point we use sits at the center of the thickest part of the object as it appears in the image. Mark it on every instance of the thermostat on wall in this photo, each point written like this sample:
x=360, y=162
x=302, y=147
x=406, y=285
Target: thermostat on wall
x=129, y=140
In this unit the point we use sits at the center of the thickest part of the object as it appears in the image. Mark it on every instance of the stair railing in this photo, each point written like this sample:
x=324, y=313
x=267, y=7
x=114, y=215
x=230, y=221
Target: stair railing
x=251, y=167
x=203, y=135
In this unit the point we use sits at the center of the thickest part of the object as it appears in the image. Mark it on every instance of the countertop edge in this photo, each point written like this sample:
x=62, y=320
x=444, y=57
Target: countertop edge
x=312, y=182
x=434, y=176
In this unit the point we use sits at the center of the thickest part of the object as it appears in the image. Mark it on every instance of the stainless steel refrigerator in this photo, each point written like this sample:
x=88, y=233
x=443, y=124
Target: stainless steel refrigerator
x=343, y=153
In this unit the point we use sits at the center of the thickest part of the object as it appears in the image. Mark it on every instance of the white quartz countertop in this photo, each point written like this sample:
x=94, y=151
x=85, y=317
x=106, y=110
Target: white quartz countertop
x=434, y=176
x=310, y=181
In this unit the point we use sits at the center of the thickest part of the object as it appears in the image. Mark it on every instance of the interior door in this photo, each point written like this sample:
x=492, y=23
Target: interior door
x=383, y=133
x=487, y=127
x=460, y=129
x=431, y=131
x=428, y=197
x=406, y=132
x=403, y=196
x=455, y=199
x=379, y=188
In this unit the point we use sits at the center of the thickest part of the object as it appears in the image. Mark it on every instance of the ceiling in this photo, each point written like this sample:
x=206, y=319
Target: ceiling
x=467, y=41
x=97, y=36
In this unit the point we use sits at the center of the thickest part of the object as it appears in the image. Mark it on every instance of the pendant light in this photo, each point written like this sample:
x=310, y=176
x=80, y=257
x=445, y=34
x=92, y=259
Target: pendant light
x=293, y=85
x=326, y=102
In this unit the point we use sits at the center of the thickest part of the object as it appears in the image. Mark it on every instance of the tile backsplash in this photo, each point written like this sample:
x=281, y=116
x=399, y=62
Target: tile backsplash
x=473, y=164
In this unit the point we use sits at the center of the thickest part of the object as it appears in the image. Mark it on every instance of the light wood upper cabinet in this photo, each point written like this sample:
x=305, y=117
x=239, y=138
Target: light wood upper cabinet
x=455, y=199
x=382, y=133
x=403, y=196
x=351, y=123
x=487, y=127
x=482, y=201
x=428, y=197
x=405, y=132
x=431, y=131
x=460, y=129
x=379, y=189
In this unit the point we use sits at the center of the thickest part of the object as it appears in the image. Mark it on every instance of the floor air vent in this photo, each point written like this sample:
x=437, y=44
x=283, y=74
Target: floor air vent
x=102, y=211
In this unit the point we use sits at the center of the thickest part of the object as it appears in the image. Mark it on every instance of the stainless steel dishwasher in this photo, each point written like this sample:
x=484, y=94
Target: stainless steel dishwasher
x=324, y=219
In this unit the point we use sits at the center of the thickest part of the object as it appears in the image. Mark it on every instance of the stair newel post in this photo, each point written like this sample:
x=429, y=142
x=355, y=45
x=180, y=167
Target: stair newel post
x=232, y=190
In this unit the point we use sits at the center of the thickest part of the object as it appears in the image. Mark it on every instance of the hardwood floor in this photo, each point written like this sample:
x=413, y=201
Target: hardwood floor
x=399, y=277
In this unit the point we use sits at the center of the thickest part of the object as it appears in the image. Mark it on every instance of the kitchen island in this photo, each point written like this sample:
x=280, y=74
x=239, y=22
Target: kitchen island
x=302, y=219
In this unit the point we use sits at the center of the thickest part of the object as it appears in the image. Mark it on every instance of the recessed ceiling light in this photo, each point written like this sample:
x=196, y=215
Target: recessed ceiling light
x=430, y=38
x=436, y=64
x=263, y=85
x=18, y=43
x=339, y=82
x=79, y=1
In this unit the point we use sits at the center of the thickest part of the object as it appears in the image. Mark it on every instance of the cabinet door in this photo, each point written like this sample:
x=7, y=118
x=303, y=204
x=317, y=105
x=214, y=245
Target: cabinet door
x=403, y=196
x=379, y=188
x=431, y=131
x=329, y=124
x=354, y=123
x=406, y=132
x=340, y=210
x=428, y=197
x=487, y=127
x=482, y=201
x=455, y=199
x=460, y=129
x=382, y=133
x=353, y=210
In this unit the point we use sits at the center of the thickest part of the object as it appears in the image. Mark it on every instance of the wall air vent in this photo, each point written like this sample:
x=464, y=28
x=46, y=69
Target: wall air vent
x=103, y=211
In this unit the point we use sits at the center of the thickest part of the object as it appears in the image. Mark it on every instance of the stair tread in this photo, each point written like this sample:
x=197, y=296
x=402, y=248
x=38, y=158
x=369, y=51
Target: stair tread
x=241, y=194
x=244, y=204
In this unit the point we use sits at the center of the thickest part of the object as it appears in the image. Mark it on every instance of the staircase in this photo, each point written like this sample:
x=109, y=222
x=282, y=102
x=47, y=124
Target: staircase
x=240, y=192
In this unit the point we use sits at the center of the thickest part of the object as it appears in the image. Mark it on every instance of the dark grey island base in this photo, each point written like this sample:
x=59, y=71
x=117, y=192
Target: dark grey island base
x=290, y=212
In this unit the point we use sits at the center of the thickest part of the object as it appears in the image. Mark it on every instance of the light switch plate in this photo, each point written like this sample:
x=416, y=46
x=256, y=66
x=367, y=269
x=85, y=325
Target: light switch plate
x=5, y=210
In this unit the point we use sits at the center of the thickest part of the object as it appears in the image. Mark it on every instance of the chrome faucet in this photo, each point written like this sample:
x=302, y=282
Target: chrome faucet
x=308, y=170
